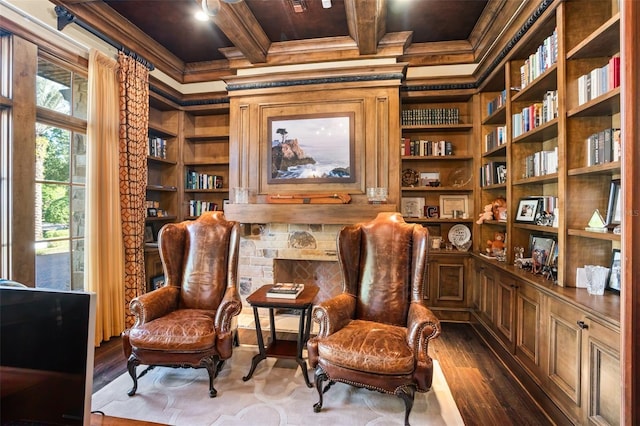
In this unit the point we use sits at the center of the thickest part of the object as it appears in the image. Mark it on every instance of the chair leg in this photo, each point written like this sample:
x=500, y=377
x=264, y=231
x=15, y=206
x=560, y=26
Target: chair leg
x=321, y=376
x=407, y=394
x=212, y=364
x=132, y=363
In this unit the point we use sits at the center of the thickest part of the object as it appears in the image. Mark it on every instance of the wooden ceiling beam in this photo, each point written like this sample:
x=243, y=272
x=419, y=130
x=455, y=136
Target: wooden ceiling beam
x=108, y=22
x=237, y=22
x=366, y=20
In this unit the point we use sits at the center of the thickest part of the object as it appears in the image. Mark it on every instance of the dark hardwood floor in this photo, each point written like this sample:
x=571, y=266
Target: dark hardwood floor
x=484, y=390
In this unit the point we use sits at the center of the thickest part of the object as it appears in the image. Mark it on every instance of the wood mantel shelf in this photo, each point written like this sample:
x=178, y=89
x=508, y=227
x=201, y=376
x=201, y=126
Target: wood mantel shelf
x=337, y=214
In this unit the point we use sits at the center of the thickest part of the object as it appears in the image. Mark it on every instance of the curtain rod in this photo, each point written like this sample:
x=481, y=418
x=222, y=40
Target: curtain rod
x=65, y=18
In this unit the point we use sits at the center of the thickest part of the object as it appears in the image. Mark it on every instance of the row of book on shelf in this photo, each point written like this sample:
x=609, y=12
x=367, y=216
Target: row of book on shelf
x=495, y=138
x=493, y=173
x=541, y=163
x=430, y=116
x=285, y=290
x=423, y=148
x=599, y=81
x=196, y=180
x=496, y=103
x=197, y=207
x=548, y=203
x=157, y=147
x=604, y=147
x=536, y=114
x=545, y=56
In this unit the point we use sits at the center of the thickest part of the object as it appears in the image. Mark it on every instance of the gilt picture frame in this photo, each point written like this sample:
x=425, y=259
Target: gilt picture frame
x=311, y=148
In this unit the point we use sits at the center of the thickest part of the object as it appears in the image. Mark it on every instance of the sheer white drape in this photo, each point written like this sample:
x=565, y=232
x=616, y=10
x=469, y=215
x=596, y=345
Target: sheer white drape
x=104, y=255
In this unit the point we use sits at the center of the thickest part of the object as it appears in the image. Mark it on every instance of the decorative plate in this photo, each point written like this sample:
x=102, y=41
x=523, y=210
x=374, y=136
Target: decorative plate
x=459, y=234
x=410, y=177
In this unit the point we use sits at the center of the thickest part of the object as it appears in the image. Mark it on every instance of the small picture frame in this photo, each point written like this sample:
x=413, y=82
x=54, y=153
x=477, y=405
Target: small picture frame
x=544, y=245
x=613, y=282
x=148, y=234
x=542, y=252
x=614, y=207
x=157, y=282
x=528, y=210
x=451, y=203
x=412, y=206
x=432, y=212
x=152, y=212
x=430, y=178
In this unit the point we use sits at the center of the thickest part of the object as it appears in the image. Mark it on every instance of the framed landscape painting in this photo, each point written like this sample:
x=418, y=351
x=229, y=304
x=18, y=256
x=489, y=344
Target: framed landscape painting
x=311, y=148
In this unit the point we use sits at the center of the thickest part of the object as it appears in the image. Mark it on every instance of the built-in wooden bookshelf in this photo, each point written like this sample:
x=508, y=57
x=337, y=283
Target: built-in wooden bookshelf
x=162, y=166
x=205, y=161
x=562, y=338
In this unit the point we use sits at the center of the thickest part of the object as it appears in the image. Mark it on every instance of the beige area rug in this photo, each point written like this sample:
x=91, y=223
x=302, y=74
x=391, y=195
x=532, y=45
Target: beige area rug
x=275, y=395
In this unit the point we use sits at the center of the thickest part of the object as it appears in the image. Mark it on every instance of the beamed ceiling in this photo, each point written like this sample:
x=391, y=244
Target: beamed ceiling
x=272, y=32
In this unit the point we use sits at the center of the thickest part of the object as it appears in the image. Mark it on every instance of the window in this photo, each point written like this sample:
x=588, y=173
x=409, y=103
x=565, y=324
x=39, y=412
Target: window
x=60, y=172
x=61, y=90
x=5, y=161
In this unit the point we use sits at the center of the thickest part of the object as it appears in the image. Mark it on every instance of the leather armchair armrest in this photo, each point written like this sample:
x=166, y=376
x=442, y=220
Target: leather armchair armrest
x=230, y=306
x=335, y=313
x=422, y=326
x=154, y=304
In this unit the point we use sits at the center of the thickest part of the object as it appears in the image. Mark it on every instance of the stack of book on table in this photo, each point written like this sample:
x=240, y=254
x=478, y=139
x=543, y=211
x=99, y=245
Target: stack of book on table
x=285, y=290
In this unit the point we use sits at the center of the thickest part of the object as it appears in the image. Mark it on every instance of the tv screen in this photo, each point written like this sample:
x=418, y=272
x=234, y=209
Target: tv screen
x=46, y=356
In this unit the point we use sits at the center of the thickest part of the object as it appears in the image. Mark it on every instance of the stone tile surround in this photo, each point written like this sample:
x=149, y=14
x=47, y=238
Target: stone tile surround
x=263, y=246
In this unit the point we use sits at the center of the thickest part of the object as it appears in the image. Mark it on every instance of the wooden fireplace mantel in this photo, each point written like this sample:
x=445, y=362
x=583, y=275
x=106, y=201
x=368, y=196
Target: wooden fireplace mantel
x=305, y=213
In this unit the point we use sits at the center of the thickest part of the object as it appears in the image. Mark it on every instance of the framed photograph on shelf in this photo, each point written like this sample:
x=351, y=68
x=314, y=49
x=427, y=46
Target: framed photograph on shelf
x=412, y=206
x=613, y=283
x=614, y=208
x=148, y=234
x=451, y=203
x=430, y=178
x=528, y=209
x=542, y=247
x=542, y=252
x=157, y=282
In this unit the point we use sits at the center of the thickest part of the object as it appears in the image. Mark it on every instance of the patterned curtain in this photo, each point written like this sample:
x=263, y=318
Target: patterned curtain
x=134, y=118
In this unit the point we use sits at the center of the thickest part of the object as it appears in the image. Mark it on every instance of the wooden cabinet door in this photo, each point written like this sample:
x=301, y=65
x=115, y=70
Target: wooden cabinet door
x=447, y=292
x=448, y=277
x=484, y=294
x=530, y=328
x=564, y=375
x=601, y=374
x=505, y=310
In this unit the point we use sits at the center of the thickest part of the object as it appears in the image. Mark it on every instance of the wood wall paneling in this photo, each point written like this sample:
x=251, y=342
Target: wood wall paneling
x=375, y=109
x=630, y=77
x=25, y=64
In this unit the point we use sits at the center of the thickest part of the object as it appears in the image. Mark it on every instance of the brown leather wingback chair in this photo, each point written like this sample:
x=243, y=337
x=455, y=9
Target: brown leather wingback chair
x=375, y=334
x=188, y=321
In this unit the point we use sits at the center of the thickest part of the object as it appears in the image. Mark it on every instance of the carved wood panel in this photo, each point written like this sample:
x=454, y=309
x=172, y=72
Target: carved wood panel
x=565, y=343
x=505, y=310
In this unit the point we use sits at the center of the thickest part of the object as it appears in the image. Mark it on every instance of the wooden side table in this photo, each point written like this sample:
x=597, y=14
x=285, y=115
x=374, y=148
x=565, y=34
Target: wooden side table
x=290, y=349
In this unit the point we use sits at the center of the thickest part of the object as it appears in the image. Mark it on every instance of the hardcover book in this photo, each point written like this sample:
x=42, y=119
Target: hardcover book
x=285, y=290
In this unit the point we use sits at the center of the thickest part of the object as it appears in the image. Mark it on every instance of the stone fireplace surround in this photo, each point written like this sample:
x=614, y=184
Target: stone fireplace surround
x=277, y=252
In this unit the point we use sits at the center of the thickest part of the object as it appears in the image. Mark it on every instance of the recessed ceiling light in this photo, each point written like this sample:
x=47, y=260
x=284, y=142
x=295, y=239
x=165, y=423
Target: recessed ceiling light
x=201, y=16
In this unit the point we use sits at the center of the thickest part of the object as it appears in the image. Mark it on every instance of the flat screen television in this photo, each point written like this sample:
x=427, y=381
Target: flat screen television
x=46, y=356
